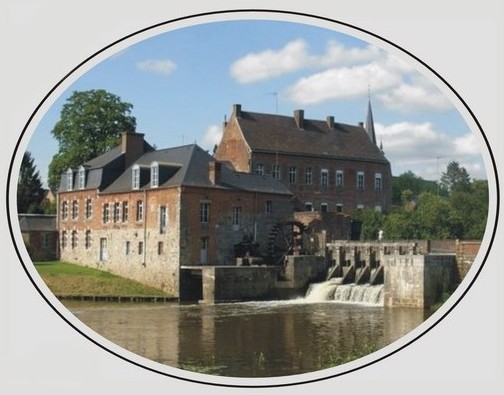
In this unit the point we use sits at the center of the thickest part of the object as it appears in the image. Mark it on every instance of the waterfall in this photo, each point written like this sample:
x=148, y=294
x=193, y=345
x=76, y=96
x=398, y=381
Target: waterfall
x=333, y=290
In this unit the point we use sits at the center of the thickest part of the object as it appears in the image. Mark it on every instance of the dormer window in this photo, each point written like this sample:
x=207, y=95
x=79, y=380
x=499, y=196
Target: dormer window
x=69, y=179
x=154, y=175
x=135, y=182
x=82, y=177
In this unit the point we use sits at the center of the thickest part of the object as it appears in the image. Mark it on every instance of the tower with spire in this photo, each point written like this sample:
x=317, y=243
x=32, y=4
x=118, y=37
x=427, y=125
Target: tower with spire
x=369, y=125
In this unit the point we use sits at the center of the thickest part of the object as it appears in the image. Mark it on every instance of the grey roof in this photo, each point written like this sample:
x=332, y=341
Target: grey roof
x=188, y=166
x=37, y=222
x=278, y=133
x=369, y=125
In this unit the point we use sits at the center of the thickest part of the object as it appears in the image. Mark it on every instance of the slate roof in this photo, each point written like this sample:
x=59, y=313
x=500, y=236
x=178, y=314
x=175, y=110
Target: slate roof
x=100, y=171
x=37, y=223
x=188, y=166
x=278, y=133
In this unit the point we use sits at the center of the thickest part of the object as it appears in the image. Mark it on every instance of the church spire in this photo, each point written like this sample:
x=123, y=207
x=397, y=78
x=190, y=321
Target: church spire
x=369, y=125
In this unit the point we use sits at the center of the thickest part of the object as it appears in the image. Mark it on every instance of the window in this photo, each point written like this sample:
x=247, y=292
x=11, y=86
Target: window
x=268, y=209
x=140, y=247
x=360, y=179
x=378, y=182
x=64, y=210
x=276, y=172
x=63, y=239
x=360, y=206
x=87, y=239
x=154, y=175
x=292, y=174
x=128, y=248
x=236, y=216
x=339, y=178
x=339, y=208
x=163, y=219
x=125, y=211
x=308, y=206
x=135, y=181
x=378, y=209
x=323, y=207
x=160, y=248
x=106, y=213
x=324, y=177
x=117, y=212
x=45, y=240
x=204, y=212
x=259, y=169
x=139, y=210
x=75, y=209
x=74, y=239
x=308, y=176
x=82, y=177
x=69, y=179
x=89, y=208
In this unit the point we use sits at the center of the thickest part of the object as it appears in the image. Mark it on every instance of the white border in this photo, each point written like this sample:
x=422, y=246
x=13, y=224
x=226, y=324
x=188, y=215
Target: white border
x=433, y=359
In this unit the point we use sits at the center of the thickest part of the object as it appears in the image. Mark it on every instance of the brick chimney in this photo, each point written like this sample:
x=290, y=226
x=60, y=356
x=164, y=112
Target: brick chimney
x=299, y=118
x=215, y=172
x=330, y=122
x=237, y=110
x=132, y=146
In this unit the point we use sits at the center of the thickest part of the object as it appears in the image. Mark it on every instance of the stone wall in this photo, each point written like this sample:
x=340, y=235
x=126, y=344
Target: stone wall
x=417, y=280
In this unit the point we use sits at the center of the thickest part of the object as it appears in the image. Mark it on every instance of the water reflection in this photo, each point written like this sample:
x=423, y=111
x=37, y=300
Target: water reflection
x=260, y=339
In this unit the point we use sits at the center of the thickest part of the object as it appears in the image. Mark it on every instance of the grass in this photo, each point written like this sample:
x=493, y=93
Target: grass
x=69, y=280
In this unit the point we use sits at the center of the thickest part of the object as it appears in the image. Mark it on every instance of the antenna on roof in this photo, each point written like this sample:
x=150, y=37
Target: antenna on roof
x=275, y=94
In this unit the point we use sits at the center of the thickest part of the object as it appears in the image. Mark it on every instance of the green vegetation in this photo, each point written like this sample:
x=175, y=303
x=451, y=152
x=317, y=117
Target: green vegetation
x=457, y=208
x=30, y=194
x=332, y=357
x=68, y=280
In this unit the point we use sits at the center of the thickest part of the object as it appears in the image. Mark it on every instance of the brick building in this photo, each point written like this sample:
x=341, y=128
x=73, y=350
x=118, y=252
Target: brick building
x=40, y=236
x=144, y=213
x=329, y=166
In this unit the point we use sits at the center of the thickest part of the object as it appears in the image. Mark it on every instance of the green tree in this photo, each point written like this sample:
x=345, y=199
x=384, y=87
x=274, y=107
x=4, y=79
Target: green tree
x=29, y=189
x=455, y=178
x=90, y=124
x=412, y=182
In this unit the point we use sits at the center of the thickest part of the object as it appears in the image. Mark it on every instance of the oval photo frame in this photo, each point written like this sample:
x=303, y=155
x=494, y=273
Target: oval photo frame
x=219, y=16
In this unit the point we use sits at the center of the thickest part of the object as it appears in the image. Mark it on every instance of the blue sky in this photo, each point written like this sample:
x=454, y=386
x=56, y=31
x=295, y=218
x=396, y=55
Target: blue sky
x=183, y=83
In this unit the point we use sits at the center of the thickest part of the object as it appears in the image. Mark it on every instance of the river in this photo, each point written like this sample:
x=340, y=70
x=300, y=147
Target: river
x=254, y=339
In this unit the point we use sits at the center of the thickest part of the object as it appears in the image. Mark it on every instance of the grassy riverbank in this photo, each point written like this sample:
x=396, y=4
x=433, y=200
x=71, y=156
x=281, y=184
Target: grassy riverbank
x=67, y=280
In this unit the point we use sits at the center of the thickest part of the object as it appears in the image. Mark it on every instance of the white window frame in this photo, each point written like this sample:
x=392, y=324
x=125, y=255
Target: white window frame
x=163, y=219
x=308, y=204
x=292, y=174
x=378, y=182
x=322, y=205
x=259, y=169
x=82, y=177
x=324, y=178
x=154, y=175
x=360, y=180
x=139, y=210
x=268, y=207
x=236, y=218
x=135, y=177
x=340, y=178
x=339, y=207
x=69, y=179
x=204, y=212
x=276, y=172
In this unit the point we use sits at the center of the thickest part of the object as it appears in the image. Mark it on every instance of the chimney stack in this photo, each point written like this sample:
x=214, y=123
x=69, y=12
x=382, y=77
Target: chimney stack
x=330, y=122
x=299, y=118
x=132, y=146
x=237, y=110
x=214, y=172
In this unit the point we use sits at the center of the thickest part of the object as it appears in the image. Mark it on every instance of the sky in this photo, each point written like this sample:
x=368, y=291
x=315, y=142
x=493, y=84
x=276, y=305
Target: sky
x=183, y=83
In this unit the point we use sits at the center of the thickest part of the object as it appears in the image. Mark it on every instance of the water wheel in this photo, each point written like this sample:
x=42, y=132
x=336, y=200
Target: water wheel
x=285, y=238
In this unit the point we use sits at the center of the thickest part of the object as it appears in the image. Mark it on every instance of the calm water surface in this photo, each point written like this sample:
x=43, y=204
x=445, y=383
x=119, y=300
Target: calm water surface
x=257, y=339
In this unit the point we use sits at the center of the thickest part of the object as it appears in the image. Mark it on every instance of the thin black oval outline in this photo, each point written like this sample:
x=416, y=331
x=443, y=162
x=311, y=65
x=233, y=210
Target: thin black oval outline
x=251, y=10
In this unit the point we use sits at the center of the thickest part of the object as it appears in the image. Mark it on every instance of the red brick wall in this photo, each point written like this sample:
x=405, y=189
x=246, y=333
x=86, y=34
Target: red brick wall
x=233, y=147
x=349, y=195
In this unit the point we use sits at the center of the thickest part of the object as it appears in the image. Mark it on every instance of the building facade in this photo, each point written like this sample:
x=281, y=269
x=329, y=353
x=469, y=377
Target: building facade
x=327, y=165
x=145, y=214
x=40, y=236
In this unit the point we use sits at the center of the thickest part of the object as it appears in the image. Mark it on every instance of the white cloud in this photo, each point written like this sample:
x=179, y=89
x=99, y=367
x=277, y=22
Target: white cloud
x=409, y=98
x=467, y=145
x=344, y=82
x=160, y=66
x=212, y=136
x=266, y=64
x=427, y=151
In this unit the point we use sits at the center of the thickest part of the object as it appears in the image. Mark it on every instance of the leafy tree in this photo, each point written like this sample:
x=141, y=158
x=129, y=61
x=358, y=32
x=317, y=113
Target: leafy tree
x=29, y=189
x=412, y=182
x=455, y=178
x=372, y=222
x=90, y=124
